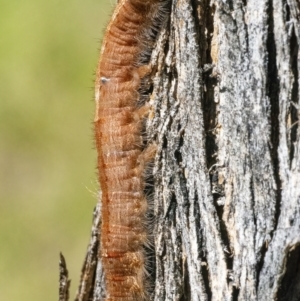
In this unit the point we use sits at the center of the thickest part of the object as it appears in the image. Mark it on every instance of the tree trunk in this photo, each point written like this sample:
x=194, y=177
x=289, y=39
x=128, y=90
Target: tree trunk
x=226, y=177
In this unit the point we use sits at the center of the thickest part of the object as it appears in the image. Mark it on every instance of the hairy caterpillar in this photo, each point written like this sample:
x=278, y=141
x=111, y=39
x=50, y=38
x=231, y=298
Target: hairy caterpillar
x=121, y=159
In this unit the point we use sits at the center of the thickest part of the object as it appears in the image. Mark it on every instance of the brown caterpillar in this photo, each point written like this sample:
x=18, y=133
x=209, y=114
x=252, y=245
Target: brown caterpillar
x=121, y=158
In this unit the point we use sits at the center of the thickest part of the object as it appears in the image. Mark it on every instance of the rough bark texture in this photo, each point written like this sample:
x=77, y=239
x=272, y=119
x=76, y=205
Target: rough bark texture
x=226, y=178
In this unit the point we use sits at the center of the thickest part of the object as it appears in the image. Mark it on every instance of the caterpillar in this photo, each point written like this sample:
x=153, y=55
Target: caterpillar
x=118, y=124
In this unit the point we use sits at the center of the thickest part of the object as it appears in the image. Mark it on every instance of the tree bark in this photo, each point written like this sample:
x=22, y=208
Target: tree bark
x=226, y=177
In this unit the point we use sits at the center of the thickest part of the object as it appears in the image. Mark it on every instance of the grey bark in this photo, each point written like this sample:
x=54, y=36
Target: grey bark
x=226, y=177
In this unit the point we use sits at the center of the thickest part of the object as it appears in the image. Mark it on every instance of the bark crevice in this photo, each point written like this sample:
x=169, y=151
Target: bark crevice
x=204, y=271
x=235, y=294
x=260, y=263
x=272, y=89
x=289, y=289
x=294, y=114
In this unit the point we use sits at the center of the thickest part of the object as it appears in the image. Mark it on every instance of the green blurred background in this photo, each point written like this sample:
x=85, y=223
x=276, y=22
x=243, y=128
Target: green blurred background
x=48, y=55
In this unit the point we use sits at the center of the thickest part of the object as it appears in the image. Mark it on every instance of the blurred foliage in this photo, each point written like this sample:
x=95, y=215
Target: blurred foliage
x=48, y=54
